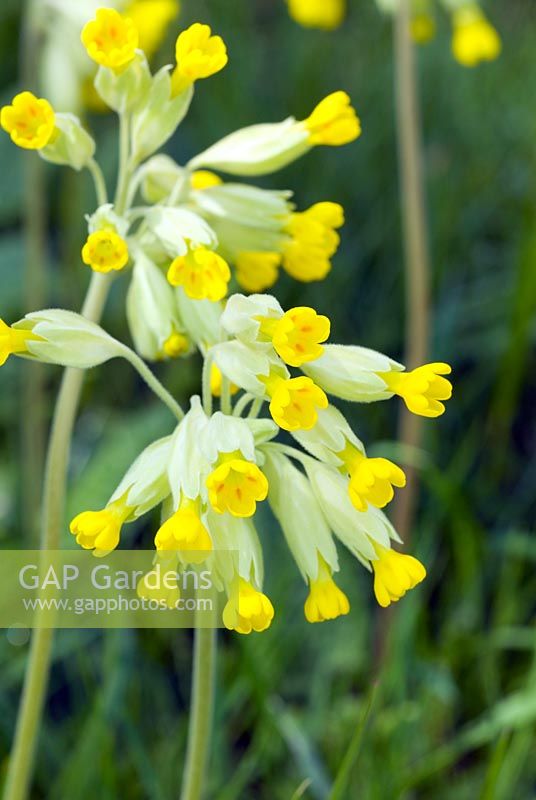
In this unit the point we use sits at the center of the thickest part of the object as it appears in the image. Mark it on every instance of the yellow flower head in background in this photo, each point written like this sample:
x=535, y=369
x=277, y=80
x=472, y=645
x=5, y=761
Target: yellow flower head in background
x=110, y=39
x=333, y=121
x=204, y=179
x=29, y=120
x=324, y=14
x=105, y=251
x=423, y=27
x=151, y=19
x=474, y=38
x=199, y=55
x=256, y=272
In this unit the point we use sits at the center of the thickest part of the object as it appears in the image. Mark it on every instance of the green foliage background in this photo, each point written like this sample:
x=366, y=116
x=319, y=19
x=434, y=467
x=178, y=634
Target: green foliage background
x=454, y=710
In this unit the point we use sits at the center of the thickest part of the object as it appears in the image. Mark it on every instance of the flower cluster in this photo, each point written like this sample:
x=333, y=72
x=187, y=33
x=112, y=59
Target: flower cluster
x=474, y=39
x=182, y=245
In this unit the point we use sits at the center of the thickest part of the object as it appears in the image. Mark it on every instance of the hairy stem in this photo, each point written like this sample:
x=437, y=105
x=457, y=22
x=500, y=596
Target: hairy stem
x=153, y=383
x=417, y=266
x=35, y=221
x=201, y=712
x=38, y=669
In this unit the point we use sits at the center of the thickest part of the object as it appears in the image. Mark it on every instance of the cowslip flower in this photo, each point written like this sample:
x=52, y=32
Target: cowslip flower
x=110, y=39
x=199, y=55
x=29, y=120
x=474, y=38
x=324, y=14
x=202, y=273
x=105, y=251
x=261, y=149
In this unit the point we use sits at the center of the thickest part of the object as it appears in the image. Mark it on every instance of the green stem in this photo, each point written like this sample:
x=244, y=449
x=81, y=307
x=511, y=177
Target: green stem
x=37, y=672
x=242, y=404
x=417, y=267
x=153, y=383
x=98, y=180
x=201, y=713
x=35, y=222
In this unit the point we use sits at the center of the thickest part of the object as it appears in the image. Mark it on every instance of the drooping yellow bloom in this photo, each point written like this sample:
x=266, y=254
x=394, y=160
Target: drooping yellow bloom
x=256, y=272
x=313, y=241
x=294, y=402
x=216, y=381
x=176, y=345
x=151, y=19
x=423, y=28
x=324, y=14
x=100, y=530
x=236, y=486
x=203, y=274
x=297, y=335
x=199, y=55
x=160, y=584
x=105, y=251
x=204, y=179
x=422, y=389
x=474, y=38
x=29, y=120
x=333, y=121
x=250, y=611
x=371, y=479
x=13, y=341
x=184, y=532
x=394, y=575
x=110, y=39
x=325, y=601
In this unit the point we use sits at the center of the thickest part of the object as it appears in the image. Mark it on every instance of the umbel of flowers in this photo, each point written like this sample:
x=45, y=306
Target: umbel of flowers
x=182, y=245
x=474, y=39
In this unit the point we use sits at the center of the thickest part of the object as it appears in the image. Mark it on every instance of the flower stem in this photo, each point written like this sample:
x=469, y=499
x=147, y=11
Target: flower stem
x=37, y=672
x=153, y=383
x=201, y=712
x=417, y=265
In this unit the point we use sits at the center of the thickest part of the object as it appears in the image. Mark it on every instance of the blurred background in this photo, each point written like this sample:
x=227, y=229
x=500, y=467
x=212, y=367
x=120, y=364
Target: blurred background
x=454, y=710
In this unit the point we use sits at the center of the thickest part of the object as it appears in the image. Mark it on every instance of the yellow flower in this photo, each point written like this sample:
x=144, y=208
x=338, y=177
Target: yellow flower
x=250, y=611
x=297, y=335
x=371, y=479
x=13, y=341
x=324, y=14
x=199, y=55
x=325, y=600
x=204, y=179
x=333, y=121
x=474, y=38
x=314, y=240
x=216, y=380
x=423, y=28
x=160, y=584
x=110, y=39
x=236, y=486
x=176, y=345
x=294, y=402
x=185, y=533
x=29, y=120
x=394, y=575
x=151, y=19
x=105, y=251
x=422, y=389
x=100, y=530
x=256, y=272
x=202, y=274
